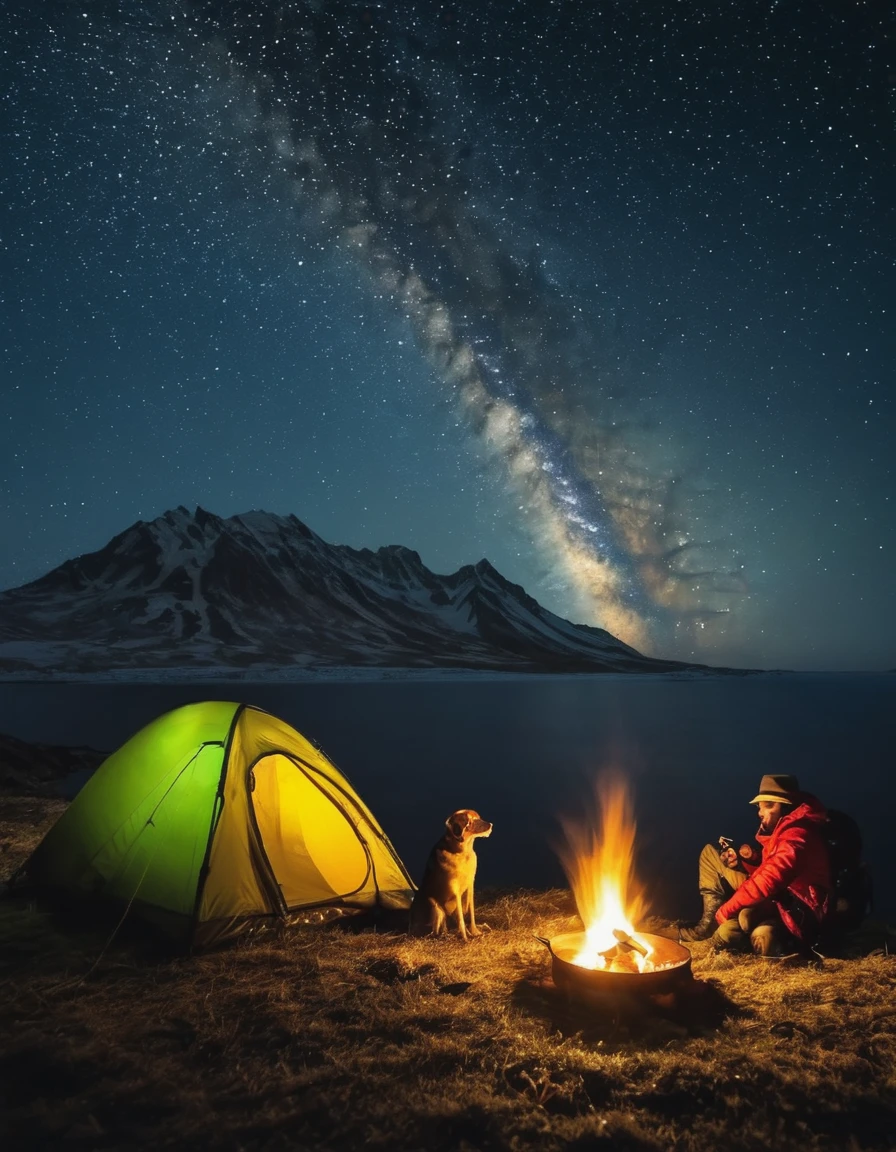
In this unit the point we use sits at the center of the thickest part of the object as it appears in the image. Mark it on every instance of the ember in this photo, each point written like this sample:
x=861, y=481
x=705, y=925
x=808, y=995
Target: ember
x=598, y=859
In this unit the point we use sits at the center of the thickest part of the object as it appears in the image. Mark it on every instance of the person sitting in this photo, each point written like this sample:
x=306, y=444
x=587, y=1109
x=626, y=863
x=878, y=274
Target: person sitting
x=779, y=901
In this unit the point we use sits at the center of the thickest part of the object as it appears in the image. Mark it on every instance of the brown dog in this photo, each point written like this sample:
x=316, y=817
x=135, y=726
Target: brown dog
x=447, y=884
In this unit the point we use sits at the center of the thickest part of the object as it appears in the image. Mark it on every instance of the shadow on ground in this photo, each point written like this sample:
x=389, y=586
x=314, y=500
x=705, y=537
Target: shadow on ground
x=697, y=1008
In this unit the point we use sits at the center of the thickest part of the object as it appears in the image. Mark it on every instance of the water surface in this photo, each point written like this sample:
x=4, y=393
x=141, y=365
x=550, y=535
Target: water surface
x=522, y=752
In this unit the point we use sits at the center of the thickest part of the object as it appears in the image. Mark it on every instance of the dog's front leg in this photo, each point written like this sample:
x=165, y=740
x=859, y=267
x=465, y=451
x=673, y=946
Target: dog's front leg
x=471, y=911
x=461, y=927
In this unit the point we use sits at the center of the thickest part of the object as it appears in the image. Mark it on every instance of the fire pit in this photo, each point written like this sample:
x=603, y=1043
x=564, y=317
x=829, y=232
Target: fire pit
x=610, y=957
x=665, y=969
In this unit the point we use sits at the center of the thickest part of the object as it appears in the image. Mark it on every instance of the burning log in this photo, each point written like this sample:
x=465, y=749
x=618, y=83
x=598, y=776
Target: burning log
x=626, y=955
x=626, y=941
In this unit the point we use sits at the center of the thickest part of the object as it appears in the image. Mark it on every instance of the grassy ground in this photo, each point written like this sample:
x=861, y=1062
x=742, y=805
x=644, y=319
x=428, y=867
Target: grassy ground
x=334, y=1039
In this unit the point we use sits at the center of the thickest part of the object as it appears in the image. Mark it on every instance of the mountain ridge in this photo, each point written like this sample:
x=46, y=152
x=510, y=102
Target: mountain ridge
x=260, y=589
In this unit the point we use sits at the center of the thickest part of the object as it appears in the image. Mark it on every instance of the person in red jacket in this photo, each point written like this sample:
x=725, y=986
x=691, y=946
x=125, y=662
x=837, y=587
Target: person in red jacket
x=778, y=901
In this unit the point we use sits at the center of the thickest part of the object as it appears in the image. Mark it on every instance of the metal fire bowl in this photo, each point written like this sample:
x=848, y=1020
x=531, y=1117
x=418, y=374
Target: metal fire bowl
x=573, y=978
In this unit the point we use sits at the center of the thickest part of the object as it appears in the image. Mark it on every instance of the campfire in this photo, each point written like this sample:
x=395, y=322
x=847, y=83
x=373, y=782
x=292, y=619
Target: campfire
x=598, y=858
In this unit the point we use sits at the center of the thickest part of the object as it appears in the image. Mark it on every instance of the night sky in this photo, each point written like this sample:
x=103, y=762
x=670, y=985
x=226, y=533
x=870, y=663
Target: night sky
x=603, y=292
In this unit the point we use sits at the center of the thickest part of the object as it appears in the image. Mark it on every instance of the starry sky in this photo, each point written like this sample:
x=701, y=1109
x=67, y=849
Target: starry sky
x=601, y=291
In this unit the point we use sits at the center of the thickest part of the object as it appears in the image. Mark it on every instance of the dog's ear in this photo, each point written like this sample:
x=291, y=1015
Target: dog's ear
x=456, y=824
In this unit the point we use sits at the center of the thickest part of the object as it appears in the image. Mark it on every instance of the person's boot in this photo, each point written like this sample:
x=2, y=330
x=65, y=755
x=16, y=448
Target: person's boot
x=763, y=942
x=703, y=928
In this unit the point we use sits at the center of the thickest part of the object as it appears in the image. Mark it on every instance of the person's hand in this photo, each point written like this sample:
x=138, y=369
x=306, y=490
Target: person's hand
x=747, y=852
x=729, y=858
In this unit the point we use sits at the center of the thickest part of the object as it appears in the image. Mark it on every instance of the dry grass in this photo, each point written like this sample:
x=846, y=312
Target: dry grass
x=327, y=1038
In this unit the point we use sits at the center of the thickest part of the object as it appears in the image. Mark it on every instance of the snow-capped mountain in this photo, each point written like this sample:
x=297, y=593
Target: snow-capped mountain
x=258, y=590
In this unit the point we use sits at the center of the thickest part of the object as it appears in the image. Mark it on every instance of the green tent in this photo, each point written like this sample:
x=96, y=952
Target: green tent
x=215, y=818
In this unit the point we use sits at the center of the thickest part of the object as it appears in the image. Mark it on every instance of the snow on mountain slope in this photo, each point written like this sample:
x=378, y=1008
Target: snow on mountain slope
x=193, y=589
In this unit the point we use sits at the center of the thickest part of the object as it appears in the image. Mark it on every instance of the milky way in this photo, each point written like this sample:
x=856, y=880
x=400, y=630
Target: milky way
x=365, y=110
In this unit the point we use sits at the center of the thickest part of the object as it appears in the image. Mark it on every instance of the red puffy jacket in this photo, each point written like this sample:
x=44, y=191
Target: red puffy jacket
x=795, y=872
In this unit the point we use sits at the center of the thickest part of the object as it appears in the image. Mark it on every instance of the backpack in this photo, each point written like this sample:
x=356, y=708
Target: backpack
x=851, y=877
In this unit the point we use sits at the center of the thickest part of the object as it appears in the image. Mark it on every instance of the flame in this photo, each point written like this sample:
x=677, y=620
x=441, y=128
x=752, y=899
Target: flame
x=598, y=859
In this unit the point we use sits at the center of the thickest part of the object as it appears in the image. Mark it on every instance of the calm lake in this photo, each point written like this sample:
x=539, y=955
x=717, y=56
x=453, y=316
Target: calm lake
x=524, y=752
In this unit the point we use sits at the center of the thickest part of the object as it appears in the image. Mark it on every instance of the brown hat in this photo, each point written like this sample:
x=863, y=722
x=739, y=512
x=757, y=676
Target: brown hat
x=777, y=789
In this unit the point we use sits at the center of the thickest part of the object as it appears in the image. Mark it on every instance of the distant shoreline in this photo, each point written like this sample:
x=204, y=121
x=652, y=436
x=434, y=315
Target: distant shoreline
x=359, y=675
